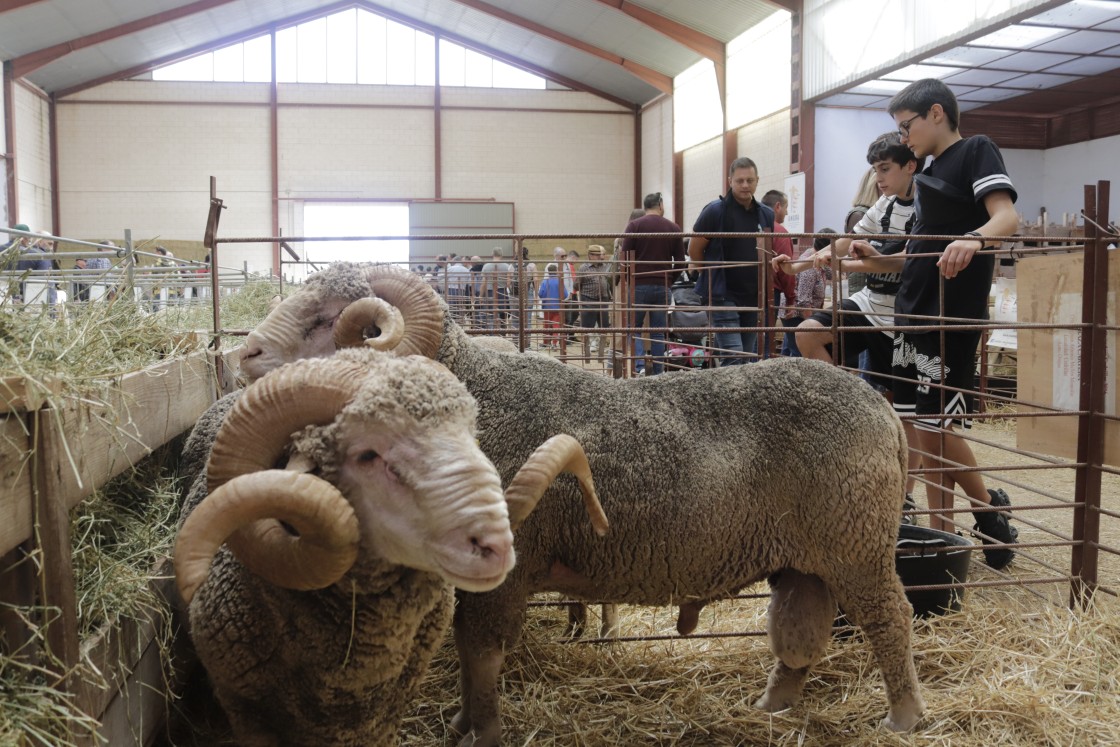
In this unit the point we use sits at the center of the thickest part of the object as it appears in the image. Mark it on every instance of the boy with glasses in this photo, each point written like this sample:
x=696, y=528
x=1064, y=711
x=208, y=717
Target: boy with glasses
x=964, y=191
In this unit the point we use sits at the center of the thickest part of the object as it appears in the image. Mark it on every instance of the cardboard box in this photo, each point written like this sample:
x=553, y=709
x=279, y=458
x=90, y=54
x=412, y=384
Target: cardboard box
x=1050, y=292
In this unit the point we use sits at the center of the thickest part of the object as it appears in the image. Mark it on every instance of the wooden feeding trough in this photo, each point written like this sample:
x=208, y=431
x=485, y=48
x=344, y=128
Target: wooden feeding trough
x=54, y=453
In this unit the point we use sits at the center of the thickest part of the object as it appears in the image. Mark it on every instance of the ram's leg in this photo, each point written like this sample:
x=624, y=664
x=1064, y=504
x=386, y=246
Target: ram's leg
x=608, y=625
x=876, y=602
x=689, y=617
x=485, y=629
x=799, y=623
x=577, y=620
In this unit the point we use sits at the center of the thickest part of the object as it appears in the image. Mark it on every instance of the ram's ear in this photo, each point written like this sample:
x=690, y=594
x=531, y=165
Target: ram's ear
x=558, y=454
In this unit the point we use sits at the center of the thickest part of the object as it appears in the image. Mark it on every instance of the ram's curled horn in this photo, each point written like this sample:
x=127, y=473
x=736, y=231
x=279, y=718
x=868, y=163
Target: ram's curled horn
x=558, y=454
x=257, y=429
x=252, y=439
x=325, y=549
x=349, y=331
x=418, y=305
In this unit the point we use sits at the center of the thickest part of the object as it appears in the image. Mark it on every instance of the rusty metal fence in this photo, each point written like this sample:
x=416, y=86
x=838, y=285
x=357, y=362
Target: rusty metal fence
x=1063, y=475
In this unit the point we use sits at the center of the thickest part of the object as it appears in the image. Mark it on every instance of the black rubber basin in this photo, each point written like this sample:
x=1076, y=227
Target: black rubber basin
x=926, y=557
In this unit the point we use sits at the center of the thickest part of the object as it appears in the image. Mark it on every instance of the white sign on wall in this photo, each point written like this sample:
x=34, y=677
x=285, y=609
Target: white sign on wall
x=795, y=191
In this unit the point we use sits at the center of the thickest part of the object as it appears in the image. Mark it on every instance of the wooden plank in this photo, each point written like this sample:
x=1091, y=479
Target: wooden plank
x=140, y=707
x=15, y=483
x=1049, y=292
x=95, y=443
x=18, y=394
x=56, y=569
x=116, y=650
x=17, y=589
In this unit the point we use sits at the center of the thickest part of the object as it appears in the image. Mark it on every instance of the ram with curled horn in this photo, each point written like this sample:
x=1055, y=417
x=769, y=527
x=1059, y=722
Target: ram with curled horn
x=342, y=500
x=787, y=471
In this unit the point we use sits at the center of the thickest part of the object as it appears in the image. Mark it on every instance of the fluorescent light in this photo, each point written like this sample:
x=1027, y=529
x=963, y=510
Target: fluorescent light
x=1018, y=36
x=920, y=71
x=880, y=87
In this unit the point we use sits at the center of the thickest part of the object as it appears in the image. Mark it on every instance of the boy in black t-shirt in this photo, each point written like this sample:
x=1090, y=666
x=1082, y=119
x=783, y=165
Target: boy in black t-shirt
x=964, y=191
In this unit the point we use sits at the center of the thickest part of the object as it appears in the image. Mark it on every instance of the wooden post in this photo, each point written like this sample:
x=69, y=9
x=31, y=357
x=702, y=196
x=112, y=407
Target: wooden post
x=52, y=525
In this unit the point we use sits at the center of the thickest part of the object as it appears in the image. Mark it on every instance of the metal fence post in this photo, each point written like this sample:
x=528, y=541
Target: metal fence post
x=1090, y=428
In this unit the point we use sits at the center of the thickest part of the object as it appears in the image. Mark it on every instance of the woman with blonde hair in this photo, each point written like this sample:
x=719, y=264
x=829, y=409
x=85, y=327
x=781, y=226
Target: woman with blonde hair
x=866, y=196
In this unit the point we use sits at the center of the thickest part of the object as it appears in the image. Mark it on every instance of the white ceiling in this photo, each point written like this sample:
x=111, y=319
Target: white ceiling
x=89, y=41
x=1064, y=45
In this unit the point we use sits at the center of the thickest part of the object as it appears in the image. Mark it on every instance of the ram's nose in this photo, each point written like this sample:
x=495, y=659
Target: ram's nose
x=478, y=561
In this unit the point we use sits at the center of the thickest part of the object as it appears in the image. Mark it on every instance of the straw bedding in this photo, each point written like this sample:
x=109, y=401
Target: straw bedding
x=1005, y=670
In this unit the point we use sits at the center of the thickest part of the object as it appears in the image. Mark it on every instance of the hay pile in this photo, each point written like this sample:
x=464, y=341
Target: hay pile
x=77, y=347
x=1005, y=670
x=119, y=535
x=122, y=532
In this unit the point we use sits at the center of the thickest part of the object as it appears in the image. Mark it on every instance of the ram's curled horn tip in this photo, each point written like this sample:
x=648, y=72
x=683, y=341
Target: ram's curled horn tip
x=561, y=453
x=418, y=305
x=242, y=514
x=367, y=312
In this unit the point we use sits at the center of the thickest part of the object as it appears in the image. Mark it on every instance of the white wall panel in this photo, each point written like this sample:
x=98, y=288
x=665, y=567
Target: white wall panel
x=139, y=155
x=1059, y=185
x=33, y=159
x=566, y=172
x=657, y=152
x=841, y=137
x=356, y=152
x=705, y=178
x=147, y=167
x=766, y=142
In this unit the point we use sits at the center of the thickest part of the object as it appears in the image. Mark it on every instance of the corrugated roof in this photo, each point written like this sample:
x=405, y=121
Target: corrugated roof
x=625, y=53
x=1059, y=65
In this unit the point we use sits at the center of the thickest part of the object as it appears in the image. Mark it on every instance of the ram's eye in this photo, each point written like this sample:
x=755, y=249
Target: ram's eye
x=367, y=456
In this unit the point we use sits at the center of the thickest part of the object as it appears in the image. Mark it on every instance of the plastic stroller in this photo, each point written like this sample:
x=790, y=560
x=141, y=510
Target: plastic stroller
x=688, y=322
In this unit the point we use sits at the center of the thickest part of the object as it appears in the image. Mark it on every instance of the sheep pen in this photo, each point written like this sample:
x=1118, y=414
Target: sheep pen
x=1009, y=668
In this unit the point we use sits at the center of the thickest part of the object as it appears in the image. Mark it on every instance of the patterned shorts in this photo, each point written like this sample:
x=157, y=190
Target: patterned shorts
x=937, y=381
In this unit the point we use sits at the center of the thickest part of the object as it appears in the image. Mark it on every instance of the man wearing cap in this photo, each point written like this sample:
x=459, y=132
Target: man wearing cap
x=594, y=287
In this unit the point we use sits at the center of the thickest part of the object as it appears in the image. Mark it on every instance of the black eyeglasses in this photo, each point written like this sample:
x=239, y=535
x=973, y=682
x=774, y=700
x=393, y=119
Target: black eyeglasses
x=904, y=125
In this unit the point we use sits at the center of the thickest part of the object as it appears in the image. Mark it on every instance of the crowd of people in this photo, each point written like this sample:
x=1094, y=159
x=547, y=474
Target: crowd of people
x=36, y=273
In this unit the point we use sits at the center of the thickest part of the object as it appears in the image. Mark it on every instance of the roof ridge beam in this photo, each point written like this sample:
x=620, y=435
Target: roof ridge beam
x=660, y=81
x=697, y=41
x=32, y=61
x=6, y=5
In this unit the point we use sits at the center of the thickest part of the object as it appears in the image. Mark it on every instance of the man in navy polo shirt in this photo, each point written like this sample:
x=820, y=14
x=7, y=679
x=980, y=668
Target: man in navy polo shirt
x=732, y=284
